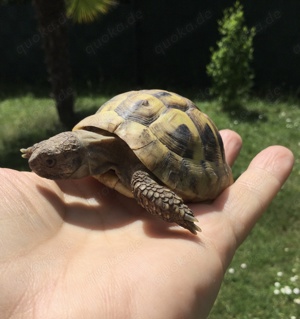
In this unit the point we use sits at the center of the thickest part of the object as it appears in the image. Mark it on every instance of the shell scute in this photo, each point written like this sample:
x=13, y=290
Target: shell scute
x=142, y=108
x=173, y=100
x=213, y=149
x=136, y=135
x=108, y=121
x=175, y=129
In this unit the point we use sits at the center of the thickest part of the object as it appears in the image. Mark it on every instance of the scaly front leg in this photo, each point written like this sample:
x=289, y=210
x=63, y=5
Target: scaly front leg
x=162, y=202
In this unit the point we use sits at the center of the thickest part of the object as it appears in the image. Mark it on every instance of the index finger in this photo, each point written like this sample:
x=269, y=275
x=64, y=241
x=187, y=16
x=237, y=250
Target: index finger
x=255, y=189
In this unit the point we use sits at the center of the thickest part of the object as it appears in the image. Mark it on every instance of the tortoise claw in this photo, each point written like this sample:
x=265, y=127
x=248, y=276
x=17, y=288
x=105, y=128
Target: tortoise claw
x=190, y=218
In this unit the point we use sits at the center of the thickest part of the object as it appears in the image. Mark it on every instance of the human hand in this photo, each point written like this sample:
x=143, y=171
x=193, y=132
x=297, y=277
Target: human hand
x=75, y=249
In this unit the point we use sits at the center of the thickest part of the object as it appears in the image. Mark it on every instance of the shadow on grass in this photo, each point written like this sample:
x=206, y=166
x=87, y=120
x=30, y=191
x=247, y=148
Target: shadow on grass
x=242, y=114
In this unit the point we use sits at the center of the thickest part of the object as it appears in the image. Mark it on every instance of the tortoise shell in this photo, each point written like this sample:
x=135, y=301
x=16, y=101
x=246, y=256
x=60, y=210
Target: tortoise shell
x=178, y=143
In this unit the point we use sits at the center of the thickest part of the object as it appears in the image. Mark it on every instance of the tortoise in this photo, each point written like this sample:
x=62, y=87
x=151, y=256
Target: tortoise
x=153, y=145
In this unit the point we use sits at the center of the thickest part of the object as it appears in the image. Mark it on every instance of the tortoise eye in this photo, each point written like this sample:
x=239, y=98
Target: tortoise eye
x=50, y=162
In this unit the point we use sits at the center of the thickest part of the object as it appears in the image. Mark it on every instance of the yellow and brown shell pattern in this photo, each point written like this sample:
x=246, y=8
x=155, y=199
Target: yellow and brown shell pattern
x=178, y=143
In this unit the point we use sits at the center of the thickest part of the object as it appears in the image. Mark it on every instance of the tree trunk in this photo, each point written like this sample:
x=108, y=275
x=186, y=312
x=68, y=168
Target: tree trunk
x=138, y=36
x=52, y=21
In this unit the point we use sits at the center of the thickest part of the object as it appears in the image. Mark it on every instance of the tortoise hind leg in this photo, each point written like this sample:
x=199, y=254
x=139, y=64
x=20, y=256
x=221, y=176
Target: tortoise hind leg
x=162, y=202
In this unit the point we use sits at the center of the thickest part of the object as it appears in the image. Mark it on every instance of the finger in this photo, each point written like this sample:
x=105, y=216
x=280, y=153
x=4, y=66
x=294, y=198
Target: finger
x=232, y=145
x=254, y=190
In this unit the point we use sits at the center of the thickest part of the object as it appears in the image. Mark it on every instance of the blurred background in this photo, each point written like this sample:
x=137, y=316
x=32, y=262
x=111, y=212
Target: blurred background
x=153, y=43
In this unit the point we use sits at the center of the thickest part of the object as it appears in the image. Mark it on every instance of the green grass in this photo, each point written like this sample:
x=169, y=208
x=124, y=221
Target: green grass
x=273, y=245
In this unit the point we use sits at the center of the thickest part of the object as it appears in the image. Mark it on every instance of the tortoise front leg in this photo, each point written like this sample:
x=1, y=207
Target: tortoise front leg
x=162, y=202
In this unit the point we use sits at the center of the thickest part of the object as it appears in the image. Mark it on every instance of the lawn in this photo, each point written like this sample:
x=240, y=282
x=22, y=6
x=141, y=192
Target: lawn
x=262, y=281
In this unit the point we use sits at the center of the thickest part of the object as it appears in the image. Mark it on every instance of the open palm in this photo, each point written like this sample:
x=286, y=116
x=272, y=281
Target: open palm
x=75, y=249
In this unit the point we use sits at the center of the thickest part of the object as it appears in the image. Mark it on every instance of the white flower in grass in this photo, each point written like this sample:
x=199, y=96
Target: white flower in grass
x=294, y=278
x=243, y=266
x=260, y=116
x=282, y=114
x=231, y=270
x=286, y=290
x=279, y=273
x=277, y=284
x=276, y=291
x=293, y=317
x=296, y=291
x=297, y=301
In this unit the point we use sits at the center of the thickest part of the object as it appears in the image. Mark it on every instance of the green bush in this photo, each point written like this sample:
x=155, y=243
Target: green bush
x=229, y=68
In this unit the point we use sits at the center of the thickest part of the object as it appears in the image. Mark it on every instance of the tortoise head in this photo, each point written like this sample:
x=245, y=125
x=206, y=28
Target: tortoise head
x=60, y=157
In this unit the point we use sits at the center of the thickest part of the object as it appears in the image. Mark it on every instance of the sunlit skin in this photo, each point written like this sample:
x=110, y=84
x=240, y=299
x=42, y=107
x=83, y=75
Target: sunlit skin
x=76, y=249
